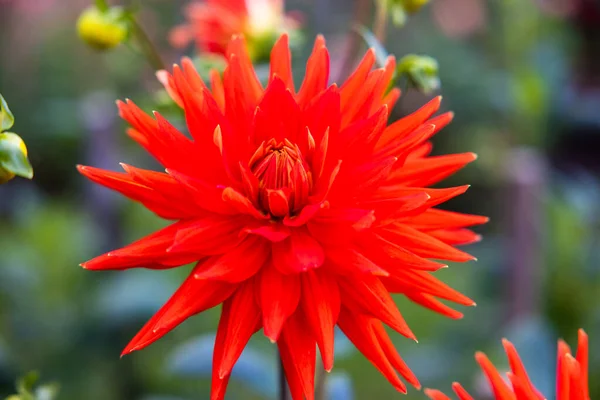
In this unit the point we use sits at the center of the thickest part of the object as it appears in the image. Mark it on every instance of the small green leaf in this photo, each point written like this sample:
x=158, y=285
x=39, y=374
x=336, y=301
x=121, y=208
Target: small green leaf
x=13, y=159
x=6, y=118
x=381, y=53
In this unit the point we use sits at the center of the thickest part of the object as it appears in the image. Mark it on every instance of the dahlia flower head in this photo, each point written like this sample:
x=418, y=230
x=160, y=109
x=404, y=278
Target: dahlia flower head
x=211, y=24
x=302, y=210
x=571, y=376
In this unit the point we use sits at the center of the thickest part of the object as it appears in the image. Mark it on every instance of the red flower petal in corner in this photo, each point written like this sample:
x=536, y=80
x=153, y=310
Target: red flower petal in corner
x=302, y=209
x=571, y=376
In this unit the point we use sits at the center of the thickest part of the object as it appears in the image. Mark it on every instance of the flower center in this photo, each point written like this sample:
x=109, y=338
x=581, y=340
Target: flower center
x=284, y=176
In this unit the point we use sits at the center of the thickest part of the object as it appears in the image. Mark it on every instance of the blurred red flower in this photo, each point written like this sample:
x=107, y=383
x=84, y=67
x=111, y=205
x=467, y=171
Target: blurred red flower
x=211, y=23
x=571, y=376
x=302, y=209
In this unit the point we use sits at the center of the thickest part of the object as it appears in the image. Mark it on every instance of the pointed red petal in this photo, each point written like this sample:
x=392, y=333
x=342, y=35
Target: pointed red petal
x=317, y=73
x=461, y=392
x=244, y=321
x=298, y=253
x=237, y=265
x=435, y=394
x=499, y=386
x=281, y=61
x=357, y=328
x=583, y=360
x=365, y=293
x=321, y=305
x=298, y=354
x=193, y=297
x=279, y=296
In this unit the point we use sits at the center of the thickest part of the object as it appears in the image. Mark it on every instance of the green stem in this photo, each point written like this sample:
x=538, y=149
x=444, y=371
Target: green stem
x=380, y=23
x=146, y=45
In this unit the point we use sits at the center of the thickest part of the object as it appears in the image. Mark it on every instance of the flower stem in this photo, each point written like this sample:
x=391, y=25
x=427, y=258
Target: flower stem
x=380, y=23
x=148, y=49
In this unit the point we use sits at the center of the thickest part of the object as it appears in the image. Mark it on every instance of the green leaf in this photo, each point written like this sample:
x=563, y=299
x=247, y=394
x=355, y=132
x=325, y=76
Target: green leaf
x=381, y=53
x=6, y=118
x=13, y=158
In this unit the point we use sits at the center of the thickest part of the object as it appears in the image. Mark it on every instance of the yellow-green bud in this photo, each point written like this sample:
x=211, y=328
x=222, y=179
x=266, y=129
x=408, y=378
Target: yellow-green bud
x=102, y=29
x=412, y=6
x=13, y=158
x=421, y=72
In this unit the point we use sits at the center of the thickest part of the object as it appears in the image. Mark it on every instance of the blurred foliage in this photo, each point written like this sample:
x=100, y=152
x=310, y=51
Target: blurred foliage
x=510, y=83
x=27, y=390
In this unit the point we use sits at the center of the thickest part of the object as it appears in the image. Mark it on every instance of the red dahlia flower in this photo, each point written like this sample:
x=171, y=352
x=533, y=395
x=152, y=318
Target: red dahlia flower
x=571, y=376
x=211, y=23
x=301, y=209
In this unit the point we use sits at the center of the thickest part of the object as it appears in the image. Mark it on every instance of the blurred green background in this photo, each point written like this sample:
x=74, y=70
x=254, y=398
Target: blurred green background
x=523, y=78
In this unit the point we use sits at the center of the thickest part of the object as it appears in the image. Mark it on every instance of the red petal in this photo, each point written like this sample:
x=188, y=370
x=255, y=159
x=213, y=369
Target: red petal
x=237, y=265
x=392, y=257
x=354, y=83
x=317, y=73
x=241, y=203
x=281, y=62
x=218, y=384
x=348, y=260
x=421, y=244
x=583, y=359
x=278, y=116
x=430, y=170
x=461, y=392
x=272, y=231
x=298, y=253
x=208, y=236
x=365, y=293
x=399, y=129
x=298, y=355
x=244, y=321
x=321, y=305
x=435, y=394
x=430, y=302
x=358, y=329
x=279, y=297
x=193, y=297
x=500, y=388
x=388, y=348
x=278, y=203
x=423, y=281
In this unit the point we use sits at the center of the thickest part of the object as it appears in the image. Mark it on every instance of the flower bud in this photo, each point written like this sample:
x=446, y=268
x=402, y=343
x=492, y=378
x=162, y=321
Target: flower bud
x=412, y=6
x=102, y=29
x=421, y=72
x=400, y=9
x=13, y=158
